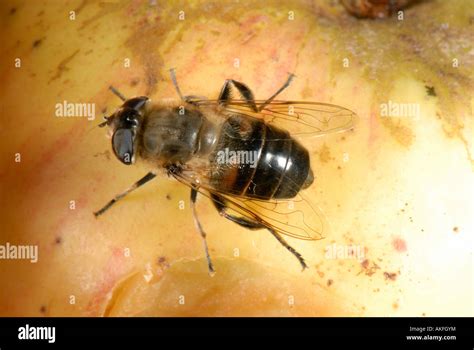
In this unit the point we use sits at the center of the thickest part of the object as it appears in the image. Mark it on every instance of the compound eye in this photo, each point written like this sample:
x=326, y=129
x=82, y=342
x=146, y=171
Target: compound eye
x=122, y=144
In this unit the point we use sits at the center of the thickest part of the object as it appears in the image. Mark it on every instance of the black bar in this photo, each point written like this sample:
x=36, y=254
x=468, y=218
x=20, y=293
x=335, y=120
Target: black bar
x=350, y=331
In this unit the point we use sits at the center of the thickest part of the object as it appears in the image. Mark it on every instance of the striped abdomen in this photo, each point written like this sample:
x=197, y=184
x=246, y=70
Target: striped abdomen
x=257, y=160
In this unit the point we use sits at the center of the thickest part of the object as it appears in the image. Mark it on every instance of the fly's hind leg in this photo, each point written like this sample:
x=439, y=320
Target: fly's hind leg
x=284, y=86
x=221, y=207
x=201, y=231
x=220, y=204
x=289, y=247
x=226, y=93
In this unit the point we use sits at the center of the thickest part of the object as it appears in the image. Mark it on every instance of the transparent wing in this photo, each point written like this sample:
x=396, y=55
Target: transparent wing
x=296, y=217
x=297, y=117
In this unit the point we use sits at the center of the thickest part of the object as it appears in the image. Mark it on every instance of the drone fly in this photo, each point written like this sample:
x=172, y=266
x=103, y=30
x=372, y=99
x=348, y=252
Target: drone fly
x=240, y=153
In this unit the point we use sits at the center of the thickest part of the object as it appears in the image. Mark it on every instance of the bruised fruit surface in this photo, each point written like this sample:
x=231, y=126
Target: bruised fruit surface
x=397, y=191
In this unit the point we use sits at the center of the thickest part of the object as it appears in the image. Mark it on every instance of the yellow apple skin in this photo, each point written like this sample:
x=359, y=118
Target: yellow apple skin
x=399, y=189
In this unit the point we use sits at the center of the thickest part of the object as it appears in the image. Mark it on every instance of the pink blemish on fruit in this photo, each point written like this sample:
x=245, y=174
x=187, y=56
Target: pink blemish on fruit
x=373, y=125
x=253, y=20
x=355, y=90
x=274, y=54
x=61, y=144
x=63, y=225
x=114, y=270
x=399, y=244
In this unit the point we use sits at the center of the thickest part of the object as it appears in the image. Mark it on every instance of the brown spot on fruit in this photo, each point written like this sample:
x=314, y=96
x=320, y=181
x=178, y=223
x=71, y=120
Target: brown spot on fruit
x=455, y=229
x=330, y=282
x=401, y=133
x=37, y=43
x=62, y=66
x=430, y=90
x=368, y=267
x=324, y=154
x=365, y=263
x=392, y=276
x=105, y=154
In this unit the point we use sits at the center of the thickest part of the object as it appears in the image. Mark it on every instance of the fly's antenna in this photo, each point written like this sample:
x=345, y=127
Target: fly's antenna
x=106, y=119
x=120, y=96
x=104, y=123
x=117, y=93
x=101, y=125
x=175, y=83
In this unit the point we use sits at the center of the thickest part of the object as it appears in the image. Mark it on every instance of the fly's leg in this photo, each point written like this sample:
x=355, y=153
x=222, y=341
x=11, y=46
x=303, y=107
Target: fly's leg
x=221, y=207
x=201, y=231
x=175, y=83
x=188, y=99
x=120, y=96
x=246, y=93
x=151, y=175
x=270, y=99
x=220, y=204
x=289, y=247
x=226, y=93
x=117, y=93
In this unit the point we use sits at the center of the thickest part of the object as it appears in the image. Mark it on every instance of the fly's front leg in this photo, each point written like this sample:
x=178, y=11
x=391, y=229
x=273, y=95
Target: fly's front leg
x=117, y=93
x=188, y=98
x=220, y=204
x=175, y=83
x=151, y=175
